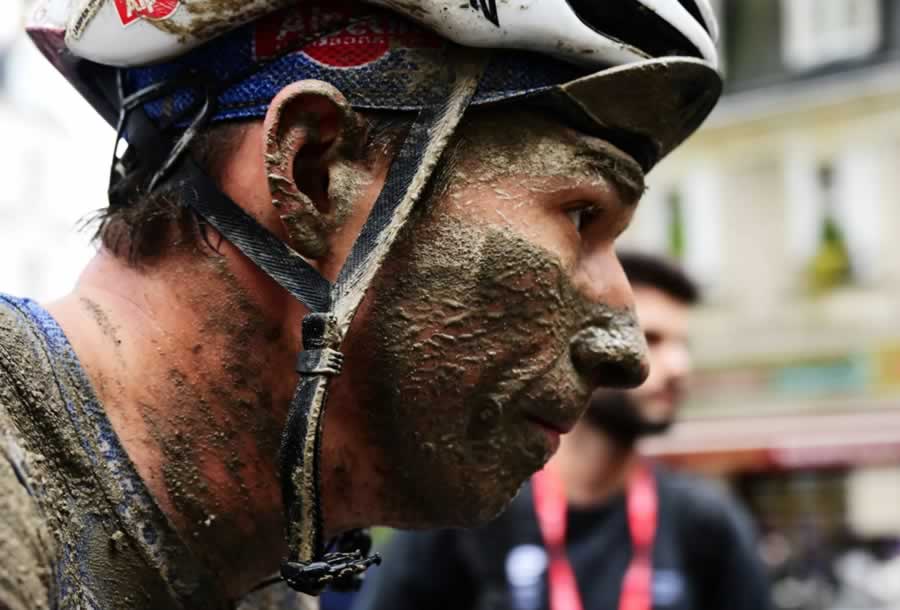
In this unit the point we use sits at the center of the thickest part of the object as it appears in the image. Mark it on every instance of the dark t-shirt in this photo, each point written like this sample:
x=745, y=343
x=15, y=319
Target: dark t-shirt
x=704, y=558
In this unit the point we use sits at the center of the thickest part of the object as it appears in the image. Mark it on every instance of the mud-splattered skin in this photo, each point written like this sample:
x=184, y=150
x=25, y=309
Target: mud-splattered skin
x=475, y=325
x=466, y=332
x=200, y=405
x=77, y=528
x=220, y=443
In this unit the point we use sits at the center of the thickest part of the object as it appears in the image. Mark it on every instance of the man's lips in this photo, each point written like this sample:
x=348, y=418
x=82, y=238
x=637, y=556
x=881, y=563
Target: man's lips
x=558, y=427
x=560, y=407
x=552, y=432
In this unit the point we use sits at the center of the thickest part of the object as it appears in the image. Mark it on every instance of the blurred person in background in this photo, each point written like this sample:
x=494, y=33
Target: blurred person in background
x=599, y=528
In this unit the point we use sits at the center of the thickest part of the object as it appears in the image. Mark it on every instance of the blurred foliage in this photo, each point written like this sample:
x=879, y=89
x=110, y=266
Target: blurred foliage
x=677, y=238
x=830, y=267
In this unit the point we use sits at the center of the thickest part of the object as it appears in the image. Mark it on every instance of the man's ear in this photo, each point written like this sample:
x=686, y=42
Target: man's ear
x=312, y=134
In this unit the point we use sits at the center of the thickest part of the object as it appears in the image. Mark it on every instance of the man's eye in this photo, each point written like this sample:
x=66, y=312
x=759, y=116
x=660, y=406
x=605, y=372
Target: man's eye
x=581, y=216
x=576, y=217
x=653, y=337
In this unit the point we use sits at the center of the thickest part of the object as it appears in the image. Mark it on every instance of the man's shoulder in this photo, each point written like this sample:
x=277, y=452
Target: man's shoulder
x=33, y=354
x=17, y=344
x=704, y=499
x=707, y=515
x=27, y=549
x=716, y=538
x=18, y=335
x=13, y=314
x=24, y=361
x=689, y=486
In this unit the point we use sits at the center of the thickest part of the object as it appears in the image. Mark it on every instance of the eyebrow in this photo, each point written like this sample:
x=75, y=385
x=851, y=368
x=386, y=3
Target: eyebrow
x=616, y=166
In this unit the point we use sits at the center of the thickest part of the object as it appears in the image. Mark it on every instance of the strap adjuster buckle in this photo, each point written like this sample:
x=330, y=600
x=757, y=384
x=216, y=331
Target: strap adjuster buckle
x=324, y=361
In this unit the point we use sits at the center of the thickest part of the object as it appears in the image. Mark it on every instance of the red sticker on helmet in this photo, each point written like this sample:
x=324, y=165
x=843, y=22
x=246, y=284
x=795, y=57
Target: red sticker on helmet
x=132, y=10
x=356, y=44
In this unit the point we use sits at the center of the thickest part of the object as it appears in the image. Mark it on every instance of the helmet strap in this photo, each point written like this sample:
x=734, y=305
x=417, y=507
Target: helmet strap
x=309, y=568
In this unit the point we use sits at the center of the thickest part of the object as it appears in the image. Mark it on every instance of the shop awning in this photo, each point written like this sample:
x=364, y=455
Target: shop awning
x=719, y=446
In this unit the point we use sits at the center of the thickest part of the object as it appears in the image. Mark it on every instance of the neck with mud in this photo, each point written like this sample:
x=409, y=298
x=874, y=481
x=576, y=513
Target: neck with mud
x=193, y=362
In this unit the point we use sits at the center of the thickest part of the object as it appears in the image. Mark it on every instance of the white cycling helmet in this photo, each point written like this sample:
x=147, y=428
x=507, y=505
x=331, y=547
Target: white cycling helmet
x=137, y=32
x=82, y=37
x=642, y=74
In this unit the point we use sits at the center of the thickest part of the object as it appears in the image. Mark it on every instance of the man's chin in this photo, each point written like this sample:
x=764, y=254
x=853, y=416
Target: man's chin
x=653, y=427
x=484, y=503
x=624, y=420
x=465, y=510
x=486, y=512
x=657, y=419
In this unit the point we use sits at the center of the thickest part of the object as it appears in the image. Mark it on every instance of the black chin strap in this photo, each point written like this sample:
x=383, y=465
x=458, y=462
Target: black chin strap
x=308, y=568
x=322, y=336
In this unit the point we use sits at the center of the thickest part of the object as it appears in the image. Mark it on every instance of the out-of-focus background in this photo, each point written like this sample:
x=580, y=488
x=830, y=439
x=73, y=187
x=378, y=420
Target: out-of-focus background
x=784, y=206
x=54, y=157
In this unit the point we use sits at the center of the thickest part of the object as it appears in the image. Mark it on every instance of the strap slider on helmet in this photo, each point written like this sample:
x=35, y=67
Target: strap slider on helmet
x=320, y=362
x=320, y=330
x=320, y=336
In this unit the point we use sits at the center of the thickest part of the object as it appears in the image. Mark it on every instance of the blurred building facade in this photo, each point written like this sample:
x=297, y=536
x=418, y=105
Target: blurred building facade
x=53, y=156
x=785, y=207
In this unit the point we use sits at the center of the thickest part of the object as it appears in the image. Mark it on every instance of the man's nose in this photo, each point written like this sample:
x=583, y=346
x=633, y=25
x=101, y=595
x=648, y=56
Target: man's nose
x=677, y=361
x=611, y=353
x=606, y=283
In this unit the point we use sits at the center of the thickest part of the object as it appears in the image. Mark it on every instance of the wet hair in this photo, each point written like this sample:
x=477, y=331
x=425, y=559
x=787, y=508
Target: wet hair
x=660, y=273
x=152, y=225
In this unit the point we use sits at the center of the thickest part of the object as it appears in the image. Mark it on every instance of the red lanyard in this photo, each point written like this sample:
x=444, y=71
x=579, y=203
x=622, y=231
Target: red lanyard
x=551, y=508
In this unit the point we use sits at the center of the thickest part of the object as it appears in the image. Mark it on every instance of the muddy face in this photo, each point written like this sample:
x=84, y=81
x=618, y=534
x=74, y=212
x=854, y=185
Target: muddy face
x=493, y=319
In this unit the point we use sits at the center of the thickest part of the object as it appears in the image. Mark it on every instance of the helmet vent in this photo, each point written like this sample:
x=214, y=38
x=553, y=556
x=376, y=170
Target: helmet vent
x=632, y=23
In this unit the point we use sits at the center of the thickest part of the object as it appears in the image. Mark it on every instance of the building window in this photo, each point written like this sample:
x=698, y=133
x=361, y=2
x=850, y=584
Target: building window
x=830, y=266
x=675, y=230
x=837, y=210
x=691, y=215
x=682, y=220
x=816, y=33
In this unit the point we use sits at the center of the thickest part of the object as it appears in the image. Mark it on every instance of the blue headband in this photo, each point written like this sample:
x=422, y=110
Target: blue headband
x=378, y=60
